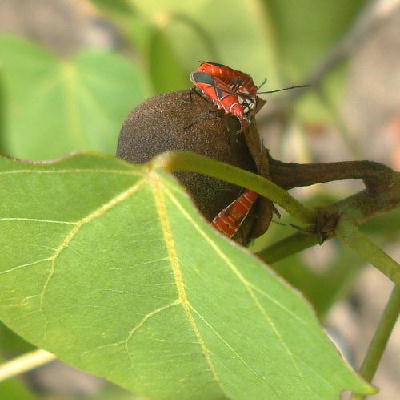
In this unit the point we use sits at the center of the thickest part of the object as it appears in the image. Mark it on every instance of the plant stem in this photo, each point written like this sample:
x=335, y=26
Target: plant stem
x=24, y=363
x=360, y=243
x=290, y=175
x=188, y=161
x=287, y=247
x=380, y=339
x=350, y=235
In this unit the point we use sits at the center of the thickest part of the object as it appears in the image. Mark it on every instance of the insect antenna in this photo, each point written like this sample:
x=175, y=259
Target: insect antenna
x=288, y=88
x=262, y=84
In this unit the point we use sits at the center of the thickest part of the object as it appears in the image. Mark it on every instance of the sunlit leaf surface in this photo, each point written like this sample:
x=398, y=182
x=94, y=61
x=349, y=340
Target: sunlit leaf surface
x=109, y=266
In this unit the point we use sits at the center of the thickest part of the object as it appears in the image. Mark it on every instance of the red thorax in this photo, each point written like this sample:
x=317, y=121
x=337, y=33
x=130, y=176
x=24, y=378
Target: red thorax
x=237, y=80
x=230, y=90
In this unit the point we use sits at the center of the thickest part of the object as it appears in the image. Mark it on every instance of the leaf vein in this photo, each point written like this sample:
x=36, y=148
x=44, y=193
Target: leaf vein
x=142, y=322
x=242, y=279
x=239, y=357
x=95, y=214
x=72, y=171
x=24, y=265
x=178, y=275
x=147, y=317
x=38, y=220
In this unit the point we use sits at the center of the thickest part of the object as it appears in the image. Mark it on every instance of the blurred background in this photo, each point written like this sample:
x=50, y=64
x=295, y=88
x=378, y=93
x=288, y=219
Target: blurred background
x=71, y=70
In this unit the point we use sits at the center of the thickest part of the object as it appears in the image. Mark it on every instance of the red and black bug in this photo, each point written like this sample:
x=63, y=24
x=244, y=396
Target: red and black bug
x=234, y=92
x=221, y=95
x=237, y=80
x=230, y=90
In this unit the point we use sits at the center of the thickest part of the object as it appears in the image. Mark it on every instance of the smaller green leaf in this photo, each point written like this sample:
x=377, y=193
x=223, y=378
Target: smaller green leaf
x=55, y=106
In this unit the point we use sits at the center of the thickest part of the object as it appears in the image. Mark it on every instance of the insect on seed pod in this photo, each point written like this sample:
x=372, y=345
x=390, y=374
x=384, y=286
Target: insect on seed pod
x=184, y=120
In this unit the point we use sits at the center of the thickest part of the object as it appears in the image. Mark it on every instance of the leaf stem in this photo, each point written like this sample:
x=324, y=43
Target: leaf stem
x=24, y=363
x=356, y=240
x=188, y=161
x=287, y=247
x=380, y=339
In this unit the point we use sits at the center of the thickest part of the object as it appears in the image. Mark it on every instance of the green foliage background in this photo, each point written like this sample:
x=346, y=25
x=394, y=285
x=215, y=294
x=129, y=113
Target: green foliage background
x=51, y=106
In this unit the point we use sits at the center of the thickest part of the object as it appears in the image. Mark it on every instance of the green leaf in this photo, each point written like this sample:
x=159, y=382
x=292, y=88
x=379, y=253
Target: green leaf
x=55, y=106
x=11, y=343
x=109, y=266
x=2, y=111
x=323, y=290
x=113, y=392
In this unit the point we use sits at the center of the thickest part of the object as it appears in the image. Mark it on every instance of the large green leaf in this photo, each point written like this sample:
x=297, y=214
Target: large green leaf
x=2, y=111
x=10, y=343
x=109, y=266
x=323, y=288
x=55, y=106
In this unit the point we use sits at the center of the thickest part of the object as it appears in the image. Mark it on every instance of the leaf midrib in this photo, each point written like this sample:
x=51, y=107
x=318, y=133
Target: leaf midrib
x=178, y=275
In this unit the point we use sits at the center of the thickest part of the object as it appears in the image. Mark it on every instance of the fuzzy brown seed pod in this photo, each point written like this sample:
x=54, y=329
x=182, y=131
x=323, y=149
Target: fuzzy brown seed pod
x=185, y=120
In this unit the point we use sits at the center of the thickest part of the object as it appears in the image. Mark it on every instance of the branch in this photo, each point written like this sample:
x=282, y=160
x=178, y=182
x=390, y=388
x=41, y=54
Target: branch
x=382, y=194
x=187, y=161
x=375, y=176
x=260, y=156
x=350, y=235
x=288, y=246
